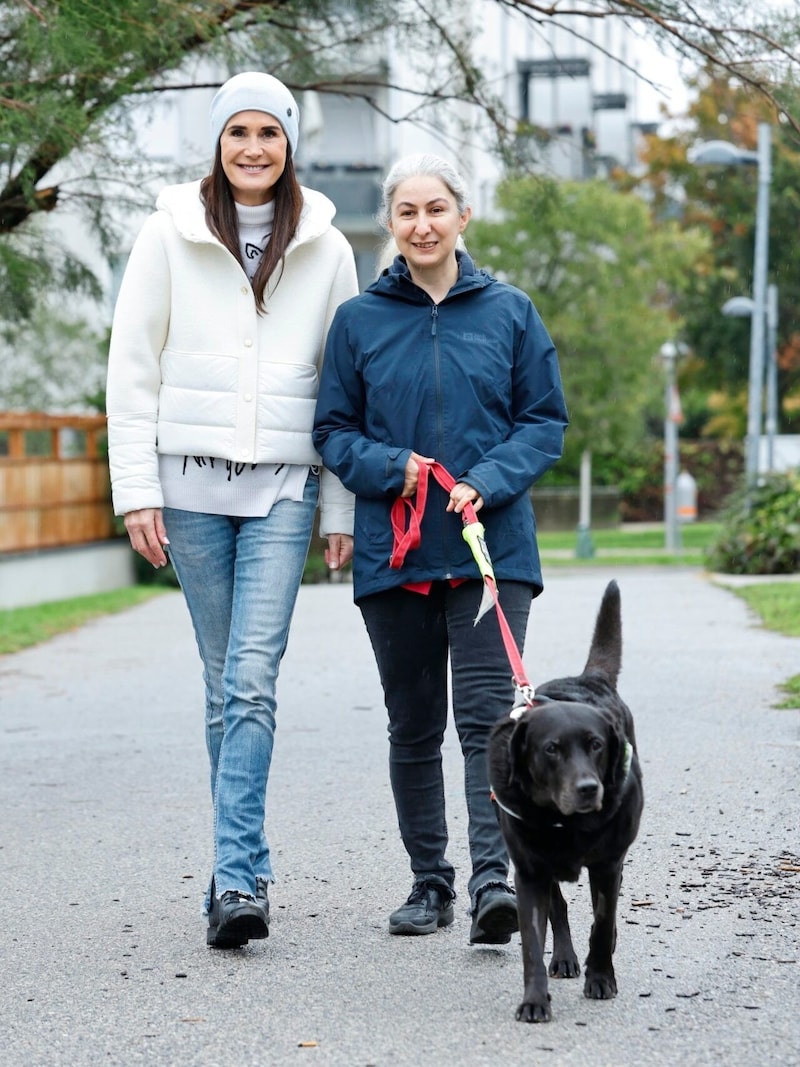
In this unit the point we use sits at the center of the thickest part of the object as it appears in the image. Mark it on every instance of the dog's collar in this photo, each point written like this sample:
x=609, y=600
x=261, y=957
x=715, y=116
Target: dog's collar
x=496, y=800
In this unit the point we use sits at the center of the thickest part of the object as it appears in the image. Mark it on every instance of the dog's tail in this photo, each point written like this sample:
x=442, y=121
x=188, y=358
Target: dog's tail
x=605, y=655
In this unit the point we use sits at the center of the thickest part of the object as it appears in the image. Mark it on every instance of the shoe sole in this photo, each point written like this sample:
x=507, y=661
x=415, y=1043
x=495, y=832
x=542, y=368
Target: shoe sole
x=495, y=925
x=444, y=919
x=237, y=932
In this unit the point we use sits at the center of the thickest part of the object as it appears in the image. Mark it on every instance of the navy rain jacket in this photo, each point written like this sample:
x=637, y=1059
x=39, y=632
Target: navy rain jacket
x=472, y=382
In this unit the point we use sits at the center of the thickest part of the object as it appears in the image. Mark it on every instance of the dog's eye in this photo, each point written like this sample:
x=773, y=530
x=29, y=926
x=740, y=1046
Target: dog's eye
x=551, y=749
x=597, y=744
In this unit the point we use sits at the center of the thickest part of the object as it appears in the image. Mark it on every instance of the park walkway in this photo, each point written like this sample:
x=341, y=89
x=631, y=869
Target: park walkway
x=104, y=851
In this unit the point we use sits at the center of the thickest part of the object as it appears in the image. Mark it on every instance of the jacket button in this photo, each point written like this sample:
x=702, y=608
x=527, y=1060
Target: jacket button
x=248, y=397
x=245, y=452
x=248, y=343
x=245, y=290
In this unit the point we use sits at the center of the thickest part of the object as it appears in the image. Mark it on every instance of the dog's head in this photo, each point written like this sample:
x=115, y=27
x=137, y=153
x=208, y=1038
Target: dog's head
x=566, y=755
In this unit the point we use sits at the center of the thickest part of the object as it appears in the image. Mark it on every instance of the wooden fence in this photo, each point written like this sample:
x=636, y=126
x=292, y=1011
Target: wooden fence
x=54, y=486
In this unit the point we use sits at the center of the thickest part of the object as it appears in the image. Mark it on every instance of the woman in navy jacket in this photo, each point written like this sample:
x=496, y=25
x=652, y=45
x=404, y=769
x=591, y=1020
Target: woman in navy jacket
x=439, y=361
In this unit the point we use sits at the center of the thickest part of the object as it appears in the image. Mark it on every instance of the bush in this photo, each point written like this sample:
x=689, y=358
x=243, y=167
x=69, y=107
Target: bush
x=760, y=531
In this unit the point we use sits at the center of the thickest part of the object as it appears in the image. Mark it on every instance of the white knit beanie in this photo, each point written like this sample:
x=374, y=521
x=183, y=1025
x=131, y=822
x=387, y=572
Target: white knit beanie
x=254, y=91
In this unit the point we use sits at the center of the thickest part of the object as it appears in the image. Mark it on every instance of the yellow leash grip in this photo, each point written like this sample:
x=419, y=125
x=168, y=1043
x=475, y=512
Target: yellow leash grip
x=473, y=534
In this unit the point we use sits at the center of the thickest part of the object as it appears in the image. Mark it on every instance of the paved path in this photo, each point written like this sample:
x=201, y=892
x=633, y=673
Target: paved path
x=104, y=849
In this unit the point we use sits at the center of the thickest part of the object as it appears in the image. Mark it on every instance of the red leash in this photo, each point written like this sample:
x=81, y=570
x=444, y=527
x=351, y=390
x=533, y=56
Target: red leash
x=409, y=537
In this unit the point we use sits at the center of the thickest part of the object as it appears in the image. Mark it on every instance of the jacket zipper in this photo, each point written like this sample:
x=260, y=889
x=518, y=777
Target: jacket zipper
x=439, y=428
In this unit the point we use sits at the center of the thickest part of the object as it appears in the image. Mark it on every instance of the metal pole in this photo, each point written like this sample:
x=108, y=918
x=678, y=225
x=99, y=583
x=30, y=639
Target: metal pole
x=669, y=354
x=772, y=374
x=758, y=318
x=584, y=548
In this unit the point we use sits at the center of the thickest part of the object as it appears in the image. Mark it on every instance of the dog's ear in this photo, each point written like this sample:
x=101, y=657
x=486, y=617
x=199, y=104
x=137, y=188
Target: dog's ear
x=517, y=745
x=616, y=740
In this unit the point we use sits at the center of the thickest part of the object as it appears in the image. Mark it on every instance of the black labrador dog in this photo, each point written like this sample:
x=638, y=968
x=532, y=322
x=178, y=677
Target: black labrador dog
x=568, y=789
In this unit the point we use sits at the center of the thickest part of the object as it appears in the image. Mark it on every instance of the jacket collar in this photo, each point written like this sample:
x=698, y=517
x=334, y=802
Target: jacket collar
x=183, y=204
x=395, y=280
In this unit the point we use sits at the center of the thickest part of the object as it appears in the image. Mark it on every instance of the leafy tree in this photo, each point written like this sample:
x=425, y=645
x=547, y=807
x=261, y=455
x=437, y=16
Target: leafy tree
x=602, y=274
x=722, y=201
x=67, y=65
x=68, y=372
x=69, y=70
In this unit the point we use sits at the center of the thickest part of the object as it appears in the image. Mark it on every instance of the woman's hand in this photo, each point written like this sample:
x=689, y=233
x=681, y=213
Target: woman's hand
x=415, y=461
x=462, y=494
x=148, y=534
x=339, y=551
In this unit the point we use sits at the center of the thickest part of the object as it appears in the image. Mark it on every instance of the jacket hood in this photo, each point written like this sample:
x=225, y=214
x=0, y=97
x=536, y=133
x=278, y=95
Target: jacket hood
x=183, y=204
x=395, y=281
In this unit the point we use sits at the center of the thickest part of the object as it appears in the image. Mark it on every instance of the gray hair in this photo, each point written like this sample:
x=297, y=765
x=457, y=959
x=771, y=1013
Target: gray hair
x=415, y=167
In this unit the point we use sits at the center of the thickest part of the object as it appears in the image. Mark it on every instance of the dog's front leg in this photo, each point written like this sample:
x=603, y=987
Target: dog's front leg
x=533, y=903
x=564, y=961
x=604, y=880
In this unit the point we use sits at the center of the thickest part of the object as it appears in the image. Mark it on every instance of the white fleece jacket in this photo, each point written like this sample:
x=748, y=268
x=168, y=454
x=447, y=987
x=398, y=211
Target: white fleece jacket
x=194, y=370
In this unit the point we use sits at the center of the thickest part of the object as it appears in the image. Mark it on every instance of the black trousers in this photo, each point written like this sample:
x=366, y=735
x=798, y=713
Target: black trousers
x=413, y=637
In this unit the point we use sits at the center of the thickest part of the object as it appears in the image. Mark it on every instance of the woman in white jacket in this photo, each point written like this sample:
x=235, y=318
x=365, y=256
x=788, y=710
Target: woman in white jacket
x=215, y=353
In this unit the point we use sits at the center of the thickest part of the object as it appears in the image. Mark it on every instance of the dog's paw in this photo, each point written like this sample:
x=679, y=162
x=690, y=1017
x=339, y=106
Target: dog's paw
x=534, y=1011
x=567, y=967
x=600, y=986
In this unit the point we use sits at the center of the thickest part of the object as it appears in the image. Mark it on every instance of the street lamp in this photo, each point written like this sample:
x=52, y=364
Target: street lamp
x=725, y=154
x=672, y=415
x=741, y=307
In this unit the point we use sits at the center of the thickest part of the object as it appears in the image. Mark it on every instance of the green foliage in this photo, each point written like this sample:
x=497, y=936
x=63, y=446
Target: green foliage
x=49, y=362
x=791, y=691
x=601, y=273
x=761, y=529
x=722, y=200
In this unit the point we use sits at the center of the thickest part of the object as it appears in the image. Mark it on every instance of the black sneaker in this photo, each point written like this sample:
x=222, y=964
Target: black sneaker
x=495, y=918
x=234, y=919
x=427, y=908
x=262, y=895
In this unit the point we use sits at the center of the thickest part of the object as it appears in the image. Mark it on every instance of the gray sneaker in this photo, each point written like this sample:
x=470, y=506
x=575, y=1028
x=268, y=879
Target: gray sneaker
x=427, y=908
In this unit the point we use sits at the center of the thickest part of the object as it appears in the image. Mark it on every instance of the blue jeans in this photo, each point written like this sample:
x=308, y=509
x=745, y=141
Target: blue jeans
x=412, y=637
x=240, y=578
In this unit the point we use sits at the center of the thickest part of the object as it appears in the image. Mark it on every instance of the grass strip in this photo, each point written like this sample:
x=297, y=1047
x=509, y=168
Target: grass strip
x=26, y=626
x=778, y=605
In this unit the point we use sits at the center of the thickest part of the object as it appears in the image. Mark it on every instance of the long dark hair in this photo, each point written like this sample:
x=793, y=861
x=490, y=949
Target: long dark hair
x=223, y=221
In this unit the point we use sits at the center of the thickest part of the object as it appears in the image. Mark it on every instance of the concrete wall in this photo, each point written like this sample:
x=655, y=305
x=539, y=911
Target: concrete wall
x=60, y=573
x=559, y=508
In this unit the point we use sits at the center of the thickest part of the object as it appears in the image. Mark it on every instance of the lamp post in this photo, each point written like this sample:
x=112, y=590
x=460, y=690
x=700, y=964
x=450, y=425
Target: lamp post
x=726, y=154
x=772, y=374
x=672, y=531
x=743, y=307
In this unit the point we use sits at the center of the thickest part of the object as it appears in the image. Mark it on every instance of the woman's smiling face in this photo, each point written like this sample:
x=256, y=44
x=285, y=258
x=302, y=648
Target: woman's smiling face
x=426, y=223
x=253, y=151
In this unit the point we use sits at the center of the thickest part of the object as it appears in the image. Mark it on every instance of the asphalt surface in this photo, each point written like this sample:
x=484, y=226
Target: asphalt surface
x=105, y=849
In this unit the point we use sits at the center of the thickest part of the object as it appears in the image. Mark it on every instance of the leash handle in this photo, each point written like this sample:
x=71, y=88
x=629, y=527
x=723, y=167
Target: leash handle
x=409, y=537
